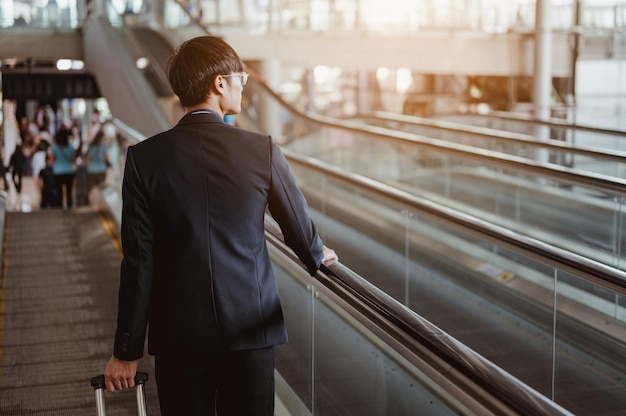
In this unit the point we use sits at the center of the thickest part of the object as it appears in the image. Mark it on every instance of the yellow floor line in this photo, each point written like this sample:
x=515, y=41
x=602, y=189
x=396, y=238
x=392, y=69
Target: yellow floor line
x=3, y=285
x=108, y=225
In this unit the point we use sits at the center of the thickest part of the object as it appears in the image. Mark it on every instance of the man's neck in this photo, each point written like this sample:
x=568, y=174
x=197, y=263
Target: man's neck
x=206, y=107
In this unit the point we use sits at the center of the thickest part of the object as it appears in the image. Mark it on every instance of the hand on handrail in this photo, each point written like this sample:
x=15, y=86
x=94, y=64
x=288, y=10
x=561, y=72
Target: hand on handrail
x=330, y=256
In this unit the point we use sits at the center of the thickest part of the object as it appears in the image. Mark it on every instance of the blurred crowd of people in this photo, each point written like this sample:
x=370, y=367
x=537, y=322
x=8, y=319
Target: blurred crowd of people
x=65, y=158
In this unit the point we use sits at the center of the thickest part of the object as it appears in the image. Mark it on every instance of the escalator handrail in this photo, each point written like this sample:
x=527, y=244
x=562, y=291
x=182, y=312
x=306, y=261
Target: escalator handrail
x=500, y=136
x=602, y=183
x=129, y=133
x=415, y=334
x=113, y=63
x=552, y=122
x=577, y=265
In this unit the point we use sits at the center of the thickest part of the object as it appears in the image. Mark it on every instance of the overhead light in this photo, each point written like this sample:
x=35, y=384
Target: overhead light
x=67, y=64
x=77, y=64
x=142, y=63
x=64, y=64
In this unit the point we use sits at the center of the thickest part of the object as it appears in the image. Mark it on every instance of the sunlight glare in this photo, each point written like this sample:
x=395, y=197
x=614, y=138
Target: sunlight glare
x=321, y=74
x=389, y=12
x=404, y=79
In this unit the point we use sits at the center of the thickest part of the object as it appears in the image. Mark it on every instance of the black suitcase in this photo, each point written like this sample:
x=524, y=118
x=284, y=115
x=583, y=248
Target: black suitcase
x=140, y=380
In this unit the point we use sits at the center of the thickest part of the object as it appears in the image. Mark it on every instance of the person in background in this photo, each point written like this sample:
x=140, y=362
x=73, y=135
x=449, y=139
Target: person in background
x=196, y=268
x=16, y=166
x=38, y=160
x=76, y=135
x=82, y=190
x=97, y=160
x=25, y=128
x=229, y=119
x=19, y=21
x=3, y=170
x=94, y=125
x=47, y=186
x=64, y=171
x=42, y=119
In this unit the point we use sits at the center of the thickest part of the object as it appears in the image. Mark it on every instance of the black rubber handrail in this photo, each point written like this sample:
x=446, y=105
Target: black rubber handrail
x=497, y=135
x=416, y=333
x=577, y=265
x=552, y=122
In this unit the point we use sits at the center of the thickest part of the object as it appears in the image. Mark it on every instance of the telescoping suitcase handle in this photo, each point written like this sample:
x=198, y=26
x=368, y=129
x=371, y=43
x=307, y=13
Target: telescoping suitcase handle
x=140, y=380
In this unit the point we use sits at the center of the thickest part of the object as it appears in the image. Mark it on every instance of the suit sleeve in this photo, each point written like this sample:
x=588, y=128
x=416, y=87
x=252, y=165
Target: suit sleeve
x=136, y=272
x=289, y=208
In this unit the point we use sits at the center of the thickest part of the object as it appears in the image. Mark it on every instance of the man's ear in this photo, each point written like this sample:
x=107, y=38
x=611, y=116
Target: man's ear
x=218, y=85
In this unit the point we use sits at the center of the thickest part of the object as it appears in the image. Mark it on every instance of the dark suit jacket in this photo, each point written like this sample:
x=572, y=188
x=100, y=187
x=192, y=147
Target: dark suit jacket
x=196, y=266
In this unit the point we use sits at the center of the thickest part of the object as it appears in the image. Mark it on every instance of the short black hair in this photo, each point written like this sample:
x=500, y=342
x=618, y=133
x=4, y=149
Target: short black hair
x=196, y=63
x=62, y=136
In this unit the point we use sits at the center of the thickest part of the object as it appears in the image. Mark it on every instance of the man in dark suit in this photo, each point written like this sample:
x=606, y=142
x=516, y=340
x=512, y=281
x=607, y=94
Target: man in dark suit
x=196, y=266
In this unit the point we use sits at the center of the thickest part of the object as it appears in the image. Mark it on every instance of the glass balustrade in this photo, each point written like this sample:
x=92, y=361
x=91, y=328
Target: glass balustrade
x=547, y=326
x=334, y=365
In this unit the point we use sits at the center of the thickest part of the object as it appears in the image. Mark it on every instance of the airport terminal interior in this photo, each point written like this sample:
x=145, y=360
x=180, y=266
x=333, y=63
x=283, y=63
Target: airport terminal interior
x=466, y=159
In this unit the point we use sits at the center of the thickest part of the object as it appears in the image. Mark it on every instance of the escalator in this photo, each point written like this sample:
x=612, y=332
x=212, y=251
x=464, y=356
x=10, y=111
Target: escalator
x=587, y=149
x=137, y=96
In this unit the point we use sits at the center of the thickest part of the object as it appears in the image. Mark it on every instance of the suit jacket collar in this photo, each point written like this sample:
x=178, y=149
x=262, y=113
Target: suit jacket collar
x=201, y=117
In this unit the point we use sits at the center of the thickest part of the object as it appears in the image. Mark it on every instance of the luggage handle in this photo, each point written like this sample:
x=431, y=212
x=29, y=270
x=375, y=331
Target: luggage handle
x=140, y=380
x=98, y=381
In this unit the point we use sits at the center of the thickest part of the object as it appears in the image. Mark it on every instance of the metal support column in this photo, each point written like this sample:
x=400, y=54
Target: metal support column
x=543, y=71
x=362, y=106
x=270, y=109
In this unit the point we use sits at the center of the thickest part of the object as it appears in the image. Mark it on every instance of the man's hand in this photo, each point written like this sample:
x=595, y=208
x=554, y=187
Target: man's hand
x=119, y=374
x=330, y=256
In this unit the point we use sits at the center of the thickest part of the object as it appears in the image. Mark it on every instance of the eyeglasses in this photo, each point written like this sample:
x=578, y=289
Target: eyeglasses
x=243, y=75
